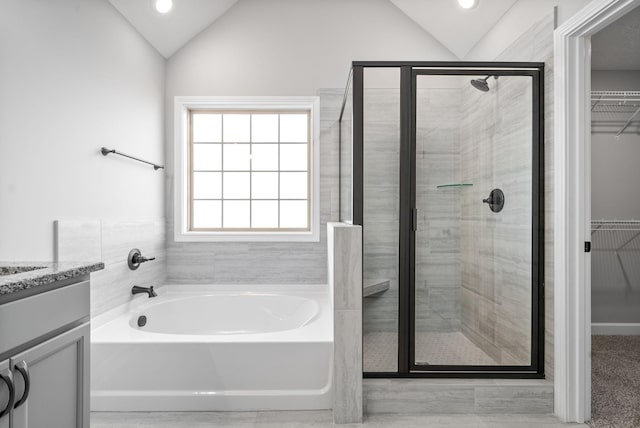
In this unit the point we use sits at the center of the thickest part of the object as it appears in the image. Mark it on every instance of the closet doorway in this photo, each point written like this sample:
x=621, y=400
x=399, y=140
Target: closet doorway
x=615, y=223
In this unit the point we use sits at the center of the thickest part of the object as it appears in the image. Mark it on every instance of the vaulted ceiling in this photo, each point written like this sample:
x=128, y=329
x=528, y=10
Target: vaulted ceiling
x=456, y=28
x=168, y=33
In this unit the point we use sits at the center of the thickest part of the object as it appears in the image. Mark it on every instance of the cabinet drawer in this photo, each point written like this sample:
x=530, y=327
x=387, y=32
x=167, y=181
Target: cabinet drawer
x=27, y=319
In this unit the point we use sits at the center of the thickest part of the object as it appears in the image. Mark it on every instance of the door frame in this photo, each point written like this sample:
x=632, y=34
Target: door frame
x=408, y=223
x=572, y=205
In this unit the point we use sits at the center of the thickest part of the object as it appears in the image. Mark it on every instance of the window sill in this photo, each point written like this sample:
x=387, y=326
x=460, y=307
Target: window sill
x=247, y=237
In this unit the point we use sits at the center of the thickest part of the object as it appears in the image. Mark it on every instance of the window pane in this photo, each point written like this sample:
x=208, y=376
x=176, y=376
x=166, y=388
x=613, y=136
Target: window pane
x=264, y=128
x=207, y=214
x=236, y=157
x=293, y=185
x=293, y=157
x=293, y=128
x=207, y=157
x=207, y=185
x=236, y=128
x=264, y=185
x=207, y=128
x=264, y=214
x=236, y=214
x=264, y=157
x=293, y=214
x=236, y=185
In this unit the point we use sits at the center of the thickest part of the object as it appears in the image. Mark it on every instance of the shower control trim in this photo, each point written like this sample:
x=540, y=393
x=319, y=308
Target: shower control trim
x=135, y=258
x=495, y=200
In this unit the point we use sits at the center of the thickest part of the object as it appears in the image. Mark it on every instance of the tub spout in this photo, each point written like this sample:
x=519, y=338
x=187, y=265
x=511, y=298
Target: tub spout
x=149, y=290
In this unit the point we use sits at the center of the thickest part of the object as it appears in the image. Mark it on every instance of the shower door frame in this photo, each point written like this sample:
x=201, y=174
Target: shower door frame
x=409, y=72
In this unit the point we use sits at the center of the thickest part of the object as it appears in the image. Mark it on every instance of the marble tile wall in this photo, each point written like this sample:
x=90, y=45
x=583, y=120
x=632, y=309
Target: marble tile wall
x=266, y=262
x=496, y=282
x=496, y=247
x=458, y=396
x=346, y=157
x=381, y=205
x=438, y=233
x=110, y=241
x=345, y=280
x=437, y=240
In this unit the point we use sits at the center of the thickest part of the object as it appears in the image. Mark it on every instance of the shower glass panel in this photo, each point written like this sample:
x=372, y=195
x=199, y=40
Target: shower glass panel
x=473, y=260
x=442, y=166
x=381, y=218
x=346, y=154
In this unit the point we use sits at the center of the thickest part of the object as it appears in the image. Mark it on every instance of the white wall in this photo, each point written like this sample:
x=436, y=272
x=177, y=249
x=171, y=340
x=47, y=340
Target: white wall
x=615, y=178
x=74, y=76
x=284, y=47
x=516, y=21
x=614, y=161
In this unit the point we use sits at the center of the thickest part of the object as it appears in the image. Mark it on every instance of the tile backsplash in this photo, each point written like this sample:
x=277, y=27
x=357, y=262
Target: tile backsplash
x=110, y=241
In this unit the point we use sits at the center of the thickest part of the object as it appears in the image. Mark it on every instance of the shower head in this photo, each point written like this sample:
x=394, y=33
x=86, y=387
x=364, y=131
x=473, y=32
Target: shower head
x=481, y=84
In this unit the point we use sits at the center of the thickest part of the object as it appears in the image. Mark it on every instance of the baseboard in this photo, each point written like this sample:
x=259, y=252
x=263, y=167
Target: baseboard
x=613, y=329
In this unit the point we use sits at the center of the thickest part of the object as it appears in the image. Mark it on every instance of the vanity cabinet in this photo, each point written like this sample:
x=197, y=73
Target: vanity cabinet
x=6, y=393
x=59, y=380
x=48, y=373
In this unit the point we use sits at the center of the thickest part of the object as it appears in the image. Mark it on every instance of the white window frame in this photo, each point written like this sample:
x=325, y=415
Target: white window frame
x=182, y=106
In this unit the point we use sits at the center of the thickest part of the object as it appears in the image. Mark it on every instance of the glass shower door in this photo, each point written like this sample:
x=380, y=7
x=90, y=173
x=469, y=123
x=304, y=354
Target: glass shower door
x=475, y=277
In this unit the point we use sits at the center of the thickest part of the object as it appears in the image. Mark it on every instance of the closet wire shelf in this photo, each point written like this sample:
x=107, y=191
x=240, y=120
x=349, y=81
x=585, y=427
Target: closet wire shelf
x=620, y=237
x=620, y=107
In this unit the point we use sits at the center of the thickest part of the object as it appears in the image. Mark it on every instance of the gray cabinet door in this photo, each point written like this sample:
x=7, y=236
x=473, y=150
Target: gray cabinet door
x=58, y=374
x=4, y=393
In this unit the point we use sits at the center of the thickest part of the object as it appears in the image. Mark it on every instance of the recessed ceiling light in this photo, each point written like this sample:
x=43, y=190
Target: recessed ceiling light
x=468, y=4
x=164, y=6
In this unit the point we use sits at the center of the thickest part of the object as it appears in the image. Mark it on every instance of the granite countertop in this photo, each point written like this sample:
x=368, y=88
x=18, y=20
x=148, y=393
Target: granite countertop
x=17, y=276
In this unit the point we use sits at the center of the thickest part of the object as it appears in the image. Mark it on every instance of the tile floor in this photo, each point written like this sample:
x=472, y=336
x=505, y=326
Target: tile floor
x=315, y=419
x=381, y=350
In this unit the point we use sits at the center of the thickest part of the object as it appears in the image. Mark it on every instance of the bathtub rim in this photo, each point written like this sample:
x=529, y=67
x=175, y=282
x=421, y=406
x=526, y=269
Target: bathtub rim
x=106, y=327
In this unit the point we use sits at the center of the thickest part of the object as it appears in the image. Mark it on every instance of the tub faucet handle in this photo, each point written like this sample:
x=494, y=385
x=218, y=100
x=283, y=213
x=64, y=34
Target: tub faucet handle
x=135, y=258
x=141, y=259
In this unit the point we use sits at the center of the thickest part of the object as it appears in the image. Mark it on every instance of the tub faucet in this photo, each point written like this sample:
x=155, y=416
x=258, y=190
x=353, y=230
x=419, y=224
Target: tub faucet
x=149, y=290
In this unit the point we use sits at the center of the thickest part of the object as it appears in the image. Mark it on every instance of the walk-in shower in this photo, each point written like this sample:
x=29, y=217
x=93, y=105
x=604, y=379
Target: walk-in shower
x=447, y=182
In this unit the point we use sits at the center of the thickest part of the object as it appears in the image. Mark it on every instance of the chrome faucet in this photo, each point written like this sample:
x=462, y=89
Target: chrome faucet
x=149, y=290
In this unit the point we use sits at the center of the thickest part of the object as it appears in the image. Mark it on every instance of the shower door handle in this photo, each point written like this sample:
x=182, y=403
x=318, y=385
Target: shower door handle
x=414, y=219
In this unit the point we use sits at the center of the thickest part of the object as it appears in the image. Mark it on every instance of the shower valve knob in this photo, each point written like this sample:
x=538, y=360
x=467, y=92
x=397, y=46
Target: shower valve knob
x=135, y=258
x=495, y=200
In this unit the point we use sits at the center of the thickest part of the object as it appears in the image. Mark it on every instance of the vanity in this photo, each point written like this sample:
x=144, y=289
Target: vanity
x=44, y=344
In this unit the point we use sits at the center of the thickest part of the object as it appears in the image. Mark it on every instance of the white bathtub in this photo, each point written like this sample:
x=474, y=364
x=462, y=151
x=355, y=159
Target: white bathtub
x=215, y=348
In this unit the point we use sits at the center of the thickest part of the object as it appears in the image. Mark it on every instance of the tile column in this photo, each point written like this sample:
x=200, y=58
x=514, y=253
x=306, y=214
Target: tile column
x=345, y=283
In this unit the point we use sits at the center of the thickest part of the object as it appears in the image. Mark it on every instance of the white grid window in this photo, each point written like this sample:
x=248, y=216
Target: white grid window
x=249, y=171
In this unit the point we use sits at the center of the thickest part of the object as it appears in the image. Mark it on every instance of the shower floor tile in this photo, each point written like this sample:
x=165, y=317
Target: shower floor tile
x=381, y=351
